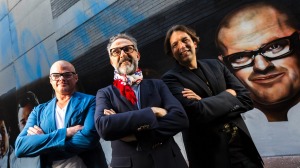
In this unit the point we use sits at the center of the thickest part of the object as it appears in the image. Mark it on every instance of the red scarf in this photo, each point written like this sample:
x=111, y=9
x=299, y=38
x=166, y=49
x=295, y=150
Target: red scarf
x=124, y=82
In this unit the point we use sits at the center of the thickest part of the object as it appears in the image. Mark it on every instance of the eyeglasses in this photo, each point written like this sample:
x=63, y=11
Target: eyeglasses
x=115, y=52
x=273, y=50
x=66, y=75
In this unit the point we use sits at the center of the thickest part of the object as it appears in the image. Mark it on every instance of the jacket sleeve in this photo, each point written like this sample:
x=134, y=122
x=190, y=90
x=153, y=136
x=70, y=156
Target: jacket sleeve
x=142, y=123
x=124, y=123
x=34, y=145
x=221, y=106
x=242, y=94
x=176, y=119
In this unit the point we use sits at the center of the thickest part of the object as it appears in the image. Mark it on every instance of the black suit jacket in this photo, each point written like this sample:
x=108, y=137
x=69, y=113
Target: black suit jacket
x=208, y=142
x=155, y=146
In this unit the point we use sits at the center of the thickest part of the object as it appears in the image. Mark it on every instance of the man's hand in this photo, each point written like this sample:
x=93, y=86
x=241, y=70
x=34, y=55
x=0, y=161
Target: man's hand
x=189, y=94
x=109, y=112
x=231, y=91
x=72, y=130
x=34, y=130
x=159, y=112
x=129, y=138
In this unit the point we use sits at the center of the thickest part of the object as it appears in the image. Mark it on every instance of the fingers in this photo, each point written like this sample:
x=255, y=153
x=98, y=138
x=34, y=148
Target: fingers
x=73, y=130
x=231, y=91
x=109, y=112
x=30, y=131
x=190, y=94
x=129, y=138
x=35, y=130
x=187, y=91
x=38, y=130
x=159, y=112
x=78, y=127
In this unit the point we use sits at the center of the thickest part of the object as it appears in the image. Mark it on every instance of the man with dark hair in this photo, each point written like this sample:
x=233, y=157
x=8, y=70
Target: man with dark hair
x=213, y=100
x=259, y=42
x=139, y=116
x=26, y=103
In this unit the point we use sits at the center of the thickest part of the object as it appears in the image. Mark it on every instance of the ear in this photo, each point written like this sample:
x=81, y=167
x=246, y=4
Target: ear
x=8, y=131
x=138, y=56
x=76, y=77
x=111, y=63
x=220, y=57
x=195, y=44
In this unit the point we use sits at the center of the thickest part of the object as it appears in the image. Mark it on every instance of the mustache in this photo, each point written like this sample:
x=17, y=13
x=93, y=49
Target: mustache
x=125, y=59
x=267, y=73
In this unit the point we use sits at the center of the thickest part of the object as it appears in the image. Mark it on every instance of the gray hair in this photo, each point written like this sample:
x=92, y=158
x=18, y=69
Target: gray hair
x=121, y=36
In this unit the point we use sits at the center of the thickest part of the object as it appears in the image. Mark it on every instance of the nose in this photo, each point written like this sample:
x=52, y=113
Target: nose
x=181, y=45
x=123, y=54
x=261, y=64
x=61, y=77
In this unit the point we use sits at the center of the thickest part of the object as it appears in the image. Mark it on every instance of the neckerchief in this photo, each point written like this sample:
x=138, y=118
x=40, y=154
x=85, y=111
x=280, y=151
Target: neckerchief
x=124, y=82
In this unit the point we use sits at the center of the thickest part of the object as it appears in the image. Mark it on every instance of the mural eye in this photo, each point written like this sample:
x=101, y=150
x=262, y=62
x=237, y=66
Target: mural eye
x=240, y=58
x=277, y=48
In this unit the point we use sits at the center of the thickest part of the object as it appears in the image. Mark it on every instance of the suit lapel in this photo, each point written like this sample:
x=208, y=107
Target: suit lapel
x=72, y=105
x=49, y=113
x=210, y=76
x=201, y=85
x=123, y=99
x=145, y=93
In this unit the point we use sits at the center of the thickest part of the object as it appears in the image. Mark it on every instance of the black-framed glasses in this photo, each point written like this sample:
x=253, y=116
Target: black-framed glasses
x=273, y=50
x=115, y=52
x=66, y=75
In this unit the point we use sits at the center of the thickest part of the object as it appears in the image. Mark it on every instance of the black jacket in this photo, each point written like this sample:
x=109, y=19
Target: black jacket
x=212, y=139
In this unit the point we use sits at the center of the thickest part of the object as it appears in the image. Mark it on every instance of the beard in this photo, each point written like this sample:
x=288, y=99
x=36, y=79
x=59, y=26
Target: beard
x=127, y=69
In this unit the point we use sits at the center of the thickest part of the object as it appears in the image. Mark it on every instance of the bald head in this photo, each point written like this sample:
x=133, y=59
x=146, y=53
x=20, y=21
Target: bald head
x=246, y=21
x=61, y=64
x=63, y=78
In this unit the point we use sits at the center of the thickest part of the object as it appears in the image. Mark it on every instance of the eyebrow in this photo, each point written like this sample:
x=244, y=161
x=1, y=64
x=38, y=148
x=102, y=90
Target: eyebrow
x=23, y=119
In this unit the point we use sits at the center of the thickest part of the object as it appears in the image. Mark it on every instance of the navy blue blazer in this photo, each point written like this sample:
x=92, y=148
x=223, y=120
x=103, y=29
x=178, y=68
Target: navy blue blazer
x=155, y=146
x=53, y=144
x=206, y=141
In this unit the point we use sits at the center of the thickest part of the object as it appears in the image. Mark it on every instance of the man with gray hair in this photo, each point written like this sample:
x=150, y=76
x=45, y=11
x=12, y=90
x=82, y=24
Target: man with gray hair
x=139, y=116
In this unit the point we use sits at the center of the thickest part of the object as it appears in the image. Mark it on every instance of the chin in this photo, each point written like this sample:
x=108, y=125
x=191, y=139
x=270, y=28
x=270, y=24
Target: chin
x=271, y=100
x=127, y=71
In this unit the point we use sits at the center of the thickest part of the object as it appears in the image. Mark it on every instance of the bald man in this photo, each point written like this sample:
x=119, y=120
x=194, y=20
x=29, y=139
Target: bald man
x=62, y=130
x=259, y=42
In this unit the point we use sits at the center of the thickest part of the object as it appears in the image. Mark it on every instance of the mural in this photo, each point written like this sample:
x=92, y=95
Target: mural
x=260, y=44
x=262, y=54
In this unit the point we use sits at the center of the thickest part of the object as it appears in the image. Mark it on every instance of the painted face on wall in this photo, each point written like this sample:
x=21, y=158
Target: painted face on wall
x=23, y=115
x=4, y=139
x=183, y=47
x=63, y=78
x=124, y=57
x=269, y=80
